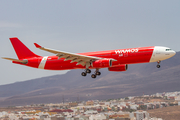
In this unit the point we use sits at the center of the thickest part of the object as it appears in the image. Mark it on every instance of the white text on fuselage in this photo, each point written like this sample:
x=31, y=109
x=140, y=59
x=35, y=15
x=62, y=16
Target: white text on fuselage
x=126, y=51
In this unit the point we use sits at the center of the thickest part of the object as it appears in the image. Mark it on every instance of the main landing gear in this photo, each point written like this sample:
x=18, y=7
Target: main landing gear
x=89, y=71
x=96, y=73
x=158, y=65
x=86, y=71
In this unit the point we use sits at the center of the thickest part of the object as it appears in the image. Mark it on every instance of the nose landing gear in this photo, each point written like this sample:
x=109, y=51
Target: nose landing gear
x=158, y=65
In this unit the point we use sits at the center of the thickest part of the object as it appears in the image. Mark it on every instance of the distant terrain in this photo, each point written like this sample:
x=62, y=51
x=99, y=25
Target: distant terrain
x=139, y=79
x=167, y=113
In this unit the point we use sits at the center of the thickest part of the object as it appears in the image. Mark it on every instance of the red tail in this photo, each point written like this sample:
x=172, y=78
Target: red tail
x=21, y=50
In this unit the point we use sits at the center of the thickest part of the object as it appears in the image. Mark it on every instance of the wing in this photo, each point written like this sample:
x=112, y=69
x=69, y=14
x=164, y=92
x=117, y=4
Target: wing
x=80, y=59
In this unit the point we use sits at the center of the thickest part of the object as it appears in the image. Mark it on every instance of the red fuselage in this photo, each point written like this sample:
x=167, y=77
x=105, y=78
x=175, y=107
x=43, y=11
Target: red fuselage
x=123, y=56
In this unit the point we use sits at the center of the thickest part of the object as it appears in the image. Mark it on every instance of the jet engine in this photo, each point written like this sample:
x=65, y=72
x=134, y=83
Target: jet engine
x=118, y=68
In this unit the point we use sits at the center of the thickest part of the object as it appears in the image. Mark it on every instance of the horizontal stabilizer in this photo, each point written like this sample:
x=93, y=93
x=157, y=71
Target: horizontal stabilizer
x=16, y=60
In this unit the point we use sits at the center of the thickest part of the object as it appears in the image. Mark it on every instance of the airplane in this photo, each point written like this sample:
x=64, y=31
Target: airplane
x=115, y=60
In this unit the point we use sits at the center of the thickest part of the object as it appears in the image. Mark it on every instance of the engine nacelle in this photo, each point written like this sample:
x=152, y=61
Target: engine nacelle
x=102, y=63
x=118, y=68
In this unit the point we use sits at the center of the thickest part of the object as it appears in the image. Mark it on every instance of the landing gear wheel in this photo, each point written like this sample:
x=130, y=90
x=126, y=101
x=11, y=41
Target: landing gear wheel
x=93, y=76
x=158, y=66
x=98, y=73
x=88, y=71
x=83, y=74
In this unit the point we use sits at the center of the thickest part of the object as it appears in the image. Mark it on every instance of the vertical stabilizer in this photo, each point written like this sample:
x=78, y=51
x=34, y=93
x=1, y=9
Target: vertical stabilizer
x=21, y=50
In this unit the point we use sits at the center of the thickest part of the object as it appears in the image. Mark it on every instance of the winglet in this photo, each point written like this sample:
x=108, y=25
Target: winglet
x=38, y=46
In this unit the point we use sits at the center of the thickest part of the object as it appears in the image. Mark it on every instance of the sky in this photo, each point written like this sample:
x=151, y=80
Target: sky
x=83, y=26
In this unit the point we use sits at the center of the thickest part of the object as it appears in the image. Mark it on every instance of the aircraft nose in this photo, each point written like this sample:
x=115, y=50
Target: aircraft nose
x=173, y=53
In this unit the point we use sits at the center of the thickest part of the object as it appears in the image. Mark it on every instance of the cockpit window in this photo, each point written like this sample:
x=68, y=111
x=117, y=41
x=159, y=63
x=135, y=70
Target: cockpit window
x=168, y=49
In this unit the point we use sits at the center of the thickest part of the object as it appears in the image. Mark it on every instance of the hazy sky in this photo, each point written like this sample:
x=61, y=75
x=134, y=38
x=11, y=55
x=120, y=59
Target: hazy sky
x=83, y=26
